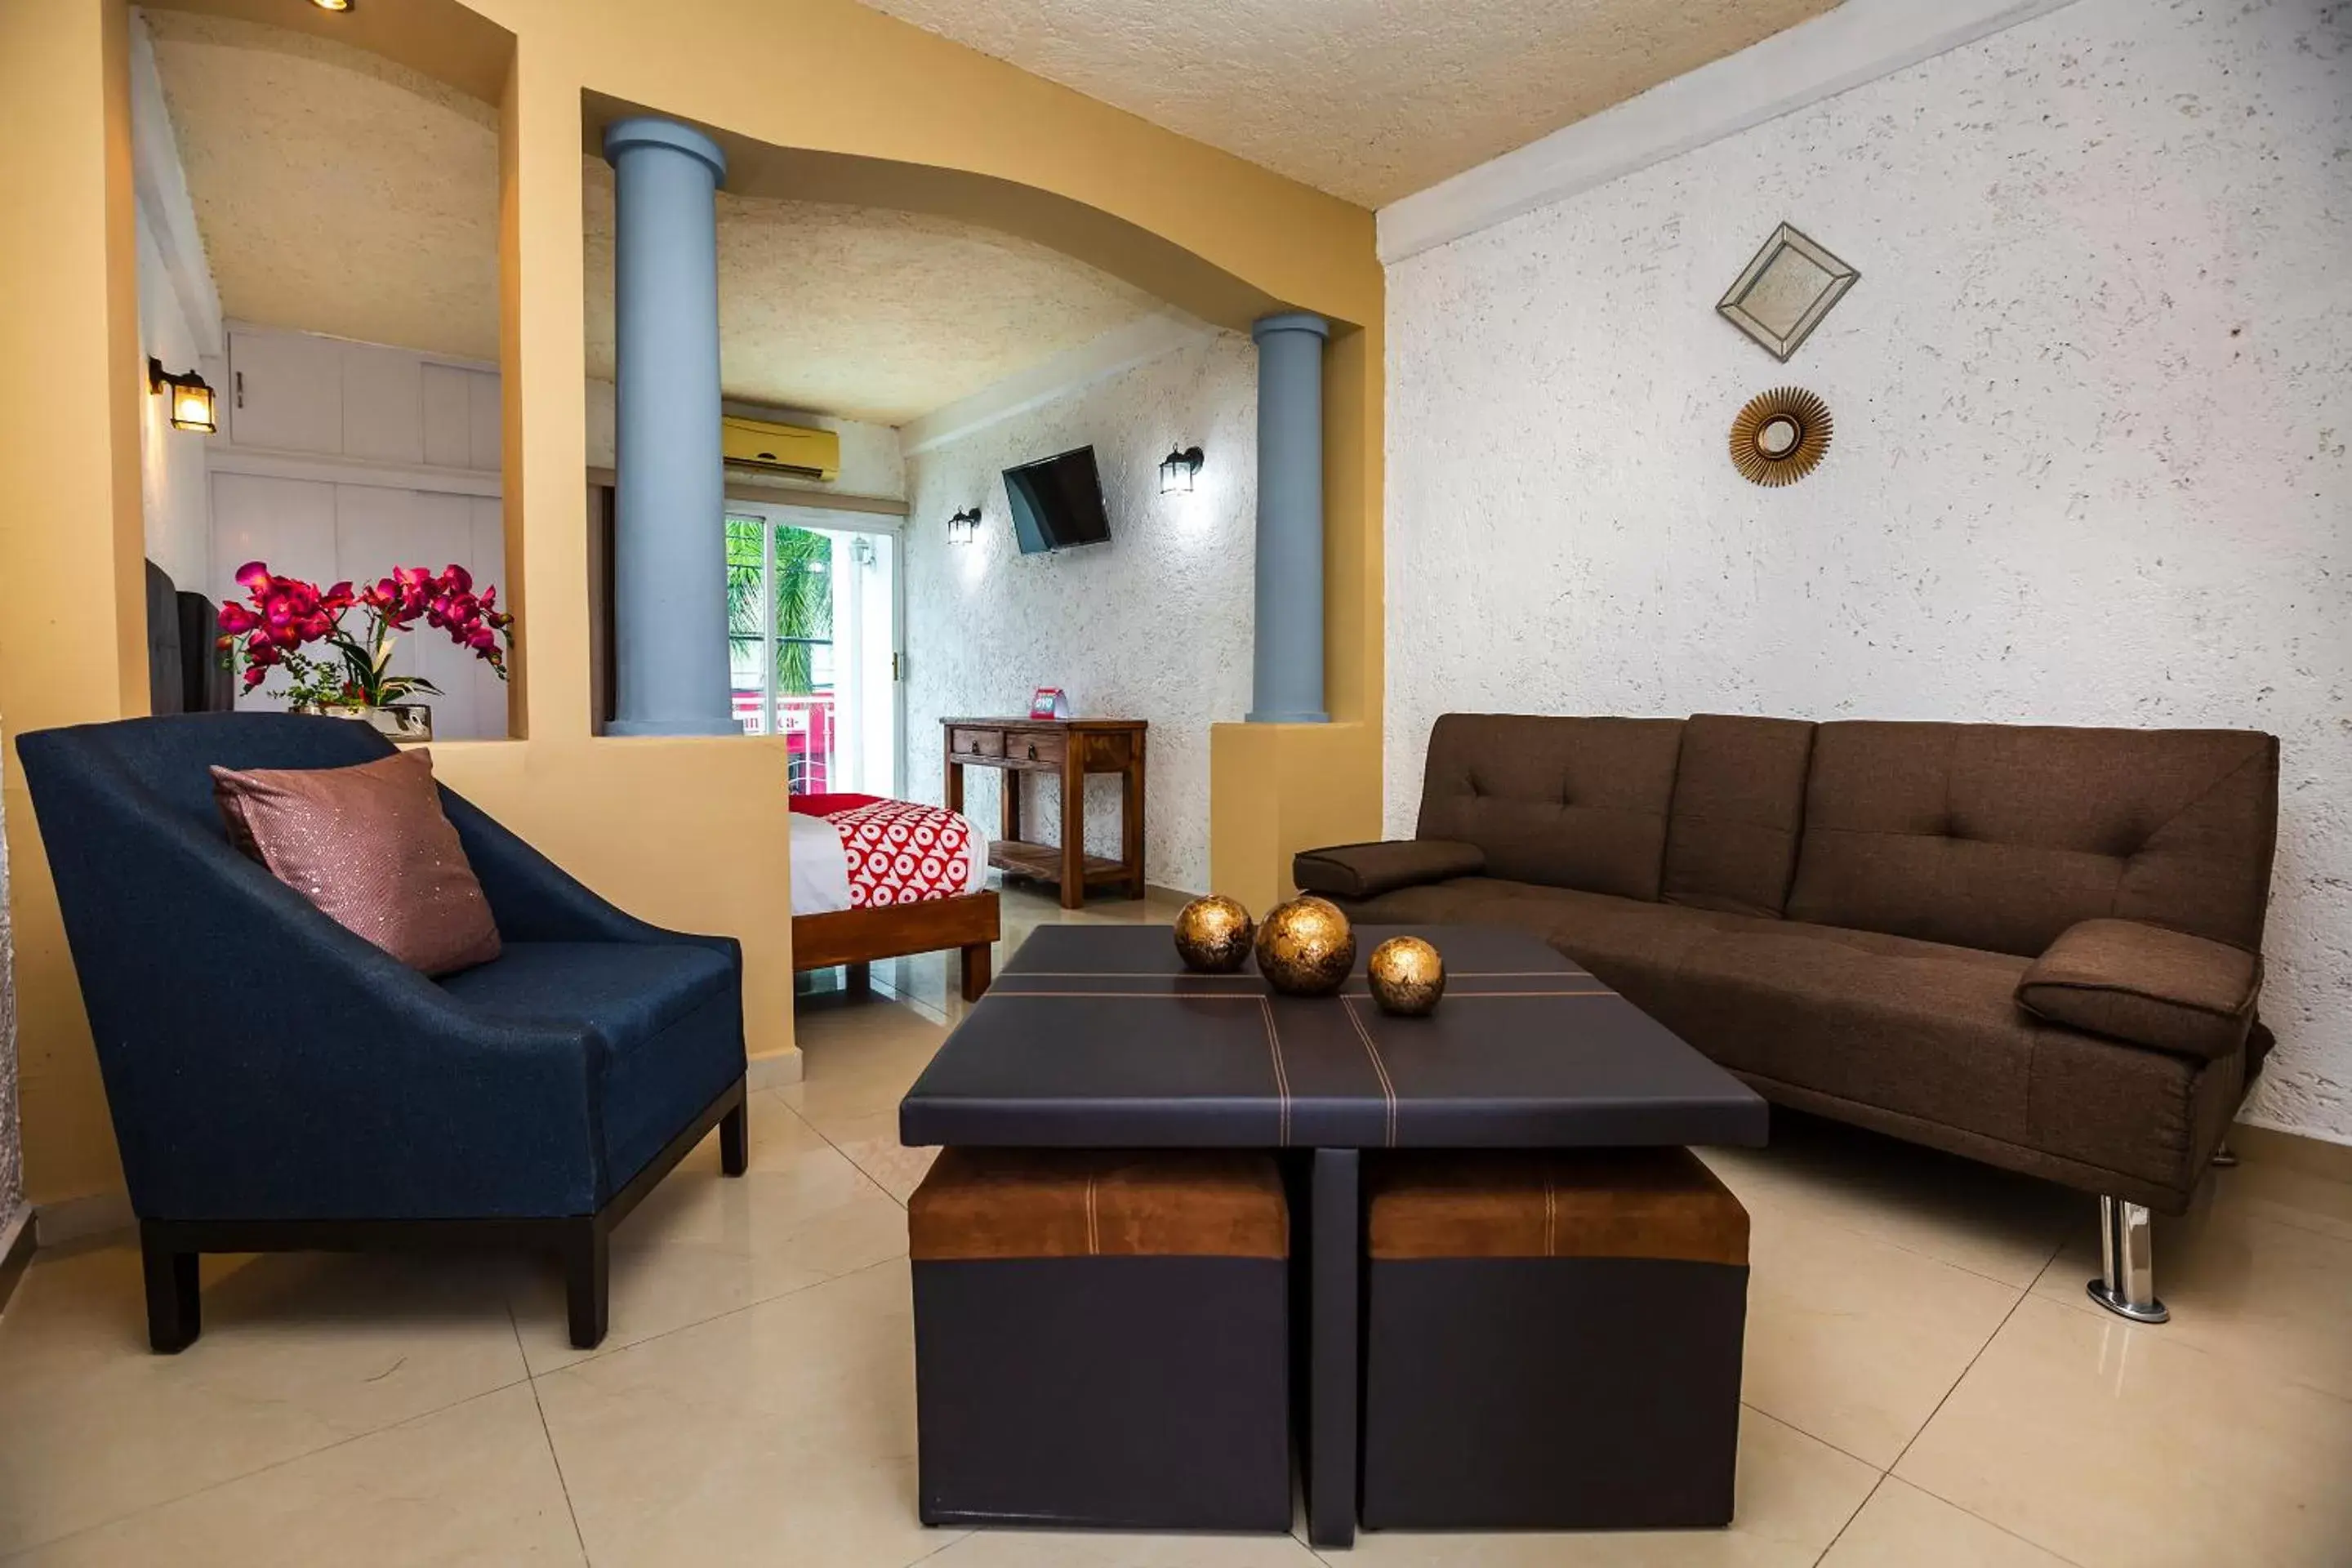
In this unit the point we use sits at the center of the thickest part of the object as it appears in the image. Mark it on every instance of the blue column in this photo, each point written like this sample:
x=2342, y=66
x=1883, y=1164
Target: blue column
x=1286, y=685
x=670, y=537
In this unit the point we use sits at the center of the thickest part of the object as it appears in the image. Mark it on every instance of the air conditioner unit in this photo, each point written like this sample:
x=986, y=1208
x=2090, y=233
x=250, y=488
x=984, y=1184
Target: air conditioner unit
x=781, y=448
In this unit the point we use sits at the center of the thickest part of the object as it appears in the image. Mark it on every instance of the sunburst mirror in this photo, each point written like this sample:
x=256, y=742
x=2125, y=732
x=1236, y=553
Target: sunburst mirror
x=1780, y=436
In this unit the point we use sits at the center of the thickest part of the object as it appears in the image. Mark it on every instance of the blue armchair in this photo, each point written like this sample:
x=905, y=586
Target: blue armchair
x=278, y=1084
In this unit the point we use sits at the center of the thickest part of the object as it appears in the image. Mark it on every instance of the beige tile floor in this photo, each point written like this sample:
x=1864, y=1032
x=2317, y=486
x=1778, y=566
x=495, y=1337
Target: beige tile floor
x=1927, y=1384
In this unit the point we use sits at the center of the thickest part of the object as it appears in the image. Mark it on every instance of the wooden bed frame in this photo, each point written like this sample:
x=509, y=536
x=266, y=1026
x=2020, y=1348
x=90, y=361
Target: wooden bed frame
x=856, y=938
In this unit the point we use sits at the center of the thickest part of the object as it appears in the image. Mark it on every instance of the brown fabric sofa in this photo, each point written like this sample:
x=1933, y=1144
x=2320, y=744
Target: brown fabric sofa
x=2037, y=947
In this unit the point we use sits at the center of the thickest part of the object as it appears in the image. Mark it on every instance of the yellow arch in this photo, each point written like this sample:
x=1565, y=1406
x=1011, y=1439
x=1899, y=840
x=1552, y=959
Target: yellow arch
x=819, y=98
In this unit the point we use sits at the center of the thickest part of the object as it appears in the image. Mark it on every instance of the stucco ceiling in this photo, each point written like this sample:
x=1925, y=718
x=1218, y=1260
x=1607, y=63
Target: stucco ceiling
x=339, y=193
x=867, y=314
x=335, y=191
x=1370, y=100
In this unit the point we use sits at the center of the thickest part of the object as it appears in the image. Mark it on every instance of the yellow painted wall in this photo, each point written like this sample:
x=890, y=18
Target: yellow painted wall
x=72, y=601
x=688, y=833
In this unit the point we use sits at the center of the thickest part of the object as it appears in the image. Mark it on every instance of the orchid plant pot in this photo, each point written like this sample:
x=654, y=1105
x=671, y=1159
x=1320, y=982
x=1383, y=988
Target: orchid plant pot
x=401, y=723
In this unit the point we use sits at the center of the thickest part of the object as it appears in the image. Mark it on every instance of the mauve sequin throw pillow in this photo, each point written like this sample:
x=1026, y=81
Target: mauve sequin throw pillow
x=370, y=845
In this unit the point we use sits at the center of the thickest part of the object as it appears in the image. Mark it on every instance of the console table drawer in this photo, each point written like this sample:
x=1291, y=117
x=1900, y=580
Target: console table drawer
x=1034, y=747
x=976, y=743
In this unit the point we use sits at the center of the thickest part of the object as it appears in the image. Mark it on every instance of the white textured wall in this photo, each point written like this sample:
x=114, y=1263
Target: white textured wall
x=1154, y=625
x=174, y=494
x=2093, y=397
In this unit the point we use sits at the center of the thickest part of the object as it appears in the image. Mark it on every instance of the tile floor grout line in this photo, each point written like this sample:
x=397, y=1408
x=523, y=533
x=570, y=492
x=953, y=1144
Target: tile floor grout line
x=846, y=1154
x=1746, y=1404
x=532, y=1376
x=960, y=1537
x=599, y=1355
x=31, y=1547
x=1795, y=1211
x=1884, y=1477
x=563, y=1482
x=1912, y=1442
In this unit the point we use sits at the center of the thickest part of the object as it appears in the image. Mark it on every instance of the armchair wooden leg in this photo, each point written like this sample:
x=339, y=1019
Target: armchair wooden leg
x=858, y=979
x=588, y=1283
x=175, y=1316
x=976, y=972
x=735, y=1141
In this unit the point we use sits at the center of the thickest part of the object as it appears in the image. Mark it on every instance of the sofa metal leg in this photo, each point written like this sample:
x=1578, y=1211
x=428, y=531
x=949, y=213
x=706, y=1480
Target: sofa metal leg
x=588, y=1283
x=735, y=1141
x=2128, y=1256
x=174, y=1315
x=2225, y=1158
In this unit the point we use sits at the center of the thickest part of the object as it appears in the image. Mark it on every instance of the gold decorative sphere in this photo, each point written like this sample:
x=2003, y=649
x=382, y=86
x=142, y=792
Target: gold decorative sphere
x=1212, y=935
x=1408, y=976
x=1305, y=947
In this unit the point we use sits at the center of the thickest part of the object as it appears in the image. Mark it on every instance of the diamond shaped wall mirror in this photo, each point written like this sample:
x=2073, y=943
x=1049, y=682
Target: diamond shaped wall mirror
x=1786, y=291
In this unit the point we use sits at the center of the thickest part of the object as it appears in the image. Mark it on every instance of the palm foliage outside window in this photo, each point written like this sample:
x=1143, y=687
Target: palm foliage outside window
x=800, y=589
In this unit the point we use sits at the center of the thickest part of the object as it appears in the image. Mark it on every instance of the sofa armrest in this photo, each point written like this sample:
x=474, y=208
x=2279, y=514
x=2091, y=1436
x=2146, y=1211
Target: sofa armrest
x=1367, y=870
x=2148, y=985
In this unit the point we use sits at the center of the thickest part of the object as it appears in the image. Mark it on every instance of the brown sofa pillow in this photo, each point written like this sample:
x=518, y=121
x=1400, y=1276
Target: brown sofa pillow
x=1367, y=870
x=2147, y=984
x=371, y=847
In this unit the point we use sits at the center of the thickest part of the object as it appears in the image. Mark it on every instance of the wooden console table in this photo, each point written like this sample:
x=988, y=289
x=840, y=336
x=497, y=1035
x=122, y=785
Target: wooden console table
x=1072, y=747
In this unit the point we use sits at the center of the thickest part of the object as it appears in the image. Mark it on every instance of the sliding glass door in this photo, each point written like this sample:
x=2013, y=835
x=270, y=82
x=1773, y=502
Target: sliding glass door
x=813, y=644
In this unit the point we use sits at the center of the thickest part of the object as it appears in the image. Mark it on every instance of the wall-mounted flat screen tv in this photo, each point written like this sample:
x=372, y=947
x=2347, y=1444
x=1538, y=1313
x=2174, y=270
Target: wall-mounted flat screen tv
x=1057, y=502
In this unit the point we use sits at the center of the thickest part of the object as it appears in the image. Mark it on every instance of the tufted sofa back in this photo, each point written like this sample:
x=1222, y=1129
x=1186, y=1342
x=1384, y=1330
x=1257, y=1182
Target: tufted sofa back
x=1570, y=802
x=2000, y=837
x=1996, y=837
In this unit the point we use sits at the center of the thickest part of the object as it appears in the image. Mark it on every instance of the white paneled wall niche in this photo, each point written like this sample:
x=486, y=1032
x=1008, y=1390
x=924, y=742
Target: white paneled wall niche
x=342, y=459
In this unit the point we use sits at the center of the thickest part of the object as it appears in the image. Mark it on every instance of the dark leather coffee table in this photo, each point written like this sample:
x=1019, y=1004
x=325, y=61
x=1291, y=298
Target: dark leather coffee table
x=1095, y=1036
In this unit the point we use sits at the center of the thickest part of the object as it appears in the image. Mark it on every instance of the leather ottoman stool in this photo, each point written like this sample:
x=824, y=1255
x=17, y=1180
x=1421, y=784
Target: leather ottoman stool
x=1552, y=1341
x=1102, y=1339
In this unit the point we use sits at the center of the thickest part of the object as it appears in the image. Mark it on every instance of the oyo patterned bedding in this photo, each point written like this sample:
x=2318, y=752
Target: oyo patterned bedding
x=863, y=851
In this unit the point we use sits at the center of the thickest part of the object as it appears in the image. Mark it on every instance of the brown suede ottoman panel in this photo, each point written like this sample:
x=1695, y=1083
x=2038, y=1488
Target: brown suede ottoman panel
x=2001, y=837
x=1738, y=809
x=1572, y=803
x=1092, y=1203
x=1551, y=1203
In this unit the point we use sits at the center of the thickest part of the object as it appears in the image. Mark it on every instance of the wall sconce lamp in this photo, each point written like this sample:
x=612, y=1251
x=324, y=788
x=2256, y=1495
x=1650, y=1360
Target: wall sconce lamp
x=964, y=526
x=336, y=4
x=191, y=395
x=1177, y=472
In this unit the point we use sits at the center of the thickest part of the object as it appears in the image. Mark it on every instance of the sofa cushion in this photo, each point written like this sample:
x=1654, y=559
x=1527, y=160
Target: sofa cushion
x=1739, y=808
x=670, y=1015
x=1572, y=803
x=2000, y=837
x=1930, y=1035
x=1469, y=900
x=2148, y=985
x=1090, y=1203
x=625, y=992
x=1367, y=870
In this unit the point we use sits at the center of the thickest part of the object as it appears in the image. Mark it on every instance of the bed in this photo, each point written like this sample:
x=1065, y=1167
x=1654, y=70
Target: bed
x=875, y=877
